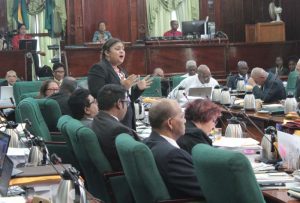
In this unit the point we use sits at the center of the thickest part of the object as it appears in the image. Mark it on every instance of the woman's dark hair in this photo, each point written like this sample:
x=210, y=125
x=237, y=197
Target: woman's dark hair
x=101, y=21
x=57, y=65
x=108, y=44
x=202, y=111
x=78, y=101
x=20, y=25
x=44, y=88
x=109, y=95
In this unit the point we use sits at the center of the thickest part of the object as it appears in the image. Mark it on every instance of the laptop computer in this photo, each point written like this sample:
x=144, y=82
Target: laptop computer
x=4, y=143
x=203, y=92
x=28, y=44
x=7, y=96
x=6, y=175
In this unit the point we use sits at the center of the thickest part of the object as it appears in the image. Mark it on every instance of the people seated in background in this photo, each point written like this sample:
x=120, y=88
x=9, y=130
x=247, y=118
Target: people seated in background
x=113, y=102
x=173, y=32
x=165, y=83
x=201, y=118
x=297, y=94
x=10, y=78
x=58, y=72
x=21, y=35
x=67, y=87
x=191, y=68
x=175, y=165
x=202, y=79
x=266, y=86
x=48, y=88
x=292, y=64
x=242, y=67
x=101, y=35
x=279, y=69
x=84, y=106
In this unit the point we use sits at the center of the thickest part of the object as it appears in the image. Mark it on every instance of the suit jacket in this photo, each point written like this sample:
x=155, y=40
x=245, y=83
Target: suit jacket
x=87, y=122
x=103, y=73
x=107, y=128
x=272, y=90
x=279, y=71
x=175, y=166
x=192, y=136
x=62, y=100
x=4, y=83
x=232, y=81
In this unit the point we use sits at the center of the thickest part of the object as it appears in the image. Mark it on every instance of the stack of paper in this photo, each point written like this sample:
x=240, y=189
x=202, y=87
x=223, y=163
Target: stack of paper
x=235, y=142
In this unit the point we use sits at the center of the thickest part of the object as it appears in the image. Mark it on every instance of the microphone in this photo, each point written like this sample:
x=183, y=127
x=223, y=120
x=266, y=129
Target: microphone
x=28, y=122
x=185, y=96
x=12, y=100
x=55, y=159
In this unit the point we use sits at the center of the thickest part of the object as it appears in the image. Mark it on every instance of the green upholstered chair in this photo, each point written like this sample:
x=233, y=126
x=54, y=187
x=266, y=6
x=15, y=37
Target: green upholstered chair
x=155, y=89
x=29, y=94
x=29, y=109
x=51, y=112
x=176, y=79
x=141, y=172
x=225, y=176
x=24, y=87
x=291, y=82
x=101, y=181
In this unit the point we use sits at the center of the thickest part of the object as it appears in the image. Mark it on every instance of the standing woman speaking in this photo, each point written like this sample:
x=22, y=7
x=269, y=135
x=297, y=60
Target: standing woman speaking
x=107, y=71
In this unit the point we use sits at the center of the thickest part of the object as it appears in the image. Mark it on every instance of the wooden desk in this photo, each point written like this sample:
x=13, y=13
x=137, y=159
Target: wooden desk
x=261, y=120
x=278, y=196
x=221, y=57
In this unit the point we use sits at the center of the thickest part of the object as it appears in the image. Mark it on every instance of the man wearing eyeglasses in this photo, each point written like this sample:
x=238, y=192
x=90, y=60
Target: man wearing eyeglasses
x=84, y=106
x=203, y=78
x=113, y=102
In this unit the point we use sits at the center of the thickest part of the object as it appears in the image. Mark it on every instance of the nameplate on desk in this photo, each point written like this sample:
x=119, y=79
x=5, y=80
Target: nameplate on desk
x=41, y=170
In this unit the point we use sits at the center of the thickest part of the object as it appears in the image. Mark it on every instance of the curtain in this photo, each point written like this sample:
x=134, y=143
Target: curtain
x=159, y=14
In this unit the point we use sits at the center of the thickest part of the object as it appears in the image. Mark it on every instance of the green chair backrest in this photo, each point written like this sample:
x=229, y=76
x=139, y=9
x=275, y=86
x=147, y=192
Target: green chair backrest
x=140, y=170
x=51, y=112
x=92, y=161
x=225, y=176
x=23, y=87
x=29, y=94
x=45, y=78
x=291, y=82
x=155, y=89
x=176, y=80
x=29, y=109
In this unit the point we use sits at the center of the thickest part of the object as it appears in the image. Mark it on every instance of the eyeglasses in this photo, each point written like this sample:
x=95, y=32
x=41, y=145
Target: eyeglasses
x=127, y=101
x=52, y=89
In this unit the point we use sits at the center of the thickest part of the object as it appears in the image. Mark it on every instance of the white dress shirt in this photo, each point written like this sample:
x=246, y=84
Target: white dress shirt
x=171, y=141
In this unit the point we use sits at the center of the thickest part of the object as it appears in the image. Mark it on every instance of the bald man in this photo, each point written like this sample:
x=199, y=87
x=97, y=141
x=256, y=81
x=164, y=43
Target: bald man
x=10, y=78
x=201, y=79
x=242, y=74
x=191, y=68
x=174, y=164
x=266, y=86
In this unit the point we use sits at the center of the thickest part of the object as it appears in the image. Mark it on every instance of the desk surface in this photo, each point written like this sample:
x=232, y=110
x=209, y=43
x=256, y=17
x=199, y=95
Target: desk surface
x=278, y=196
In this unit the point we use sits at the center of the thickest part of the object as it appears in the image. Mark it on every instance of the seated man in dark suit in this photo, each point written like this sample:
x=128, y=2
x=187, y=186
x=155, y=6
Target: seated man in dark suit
x=10, y=78
x=279, y=69
x=271, y=88
x=165, y=83
x=67, y=87
x=242, y=67
x=113, y=102
x=174, y=164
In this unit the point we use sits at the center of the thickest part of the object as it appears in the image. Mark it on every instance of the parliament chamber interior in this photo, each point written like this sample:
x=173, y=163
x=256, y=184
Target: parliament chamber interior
x=144, y=101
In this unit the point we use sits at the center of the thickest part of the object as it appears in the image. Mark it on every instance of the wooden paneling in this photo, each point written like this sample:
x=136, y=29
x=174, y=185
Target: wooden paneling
x=221, y=59
x=13, y=60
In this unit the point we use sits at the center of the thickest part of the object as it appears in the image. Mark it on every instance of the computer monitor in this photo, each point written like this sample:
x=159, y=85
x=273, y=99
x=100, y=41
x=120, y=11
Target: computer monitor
x=4, y=143
x=28, y=44
x=195, y=27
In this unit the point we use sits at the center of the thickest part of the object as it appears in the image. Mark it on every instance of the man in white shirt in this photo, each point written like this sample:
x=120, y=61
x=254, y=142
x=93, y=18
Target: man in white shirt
x=191, y=68
x=174, y=164
x=202, y=79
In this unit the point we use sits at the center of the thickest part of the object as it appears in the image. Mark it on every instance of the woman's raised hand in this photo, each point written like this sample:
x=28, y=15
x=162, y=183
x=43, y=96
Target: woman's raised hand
x=130, y=81
x=144, y=83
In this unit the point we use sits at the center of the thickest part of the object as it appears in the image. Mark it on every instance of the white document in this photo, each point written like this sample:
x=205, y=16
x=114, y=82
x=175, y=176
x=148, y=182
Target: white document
x=235, y=142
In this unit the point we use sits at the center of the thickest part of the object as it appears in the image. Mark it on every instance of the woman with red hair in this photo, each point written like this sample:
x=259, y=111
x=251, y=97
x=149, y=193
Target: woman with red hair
x=201, y=118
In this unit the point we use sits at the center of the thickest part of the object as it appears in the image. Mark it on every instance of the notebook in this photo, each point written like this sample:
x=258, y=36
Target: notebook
x=28, y=44
x=203, y=92
x=5, y=175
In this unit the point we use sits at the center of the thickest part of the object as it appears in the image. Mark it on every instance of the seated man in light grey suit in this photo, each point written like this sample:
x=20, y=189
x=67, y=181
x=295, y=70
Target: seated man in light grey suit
x=84, y=106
